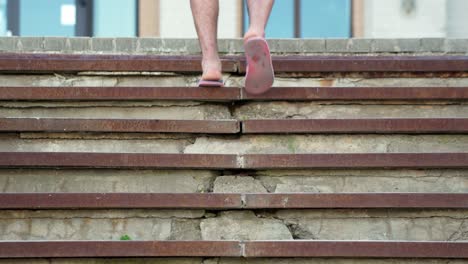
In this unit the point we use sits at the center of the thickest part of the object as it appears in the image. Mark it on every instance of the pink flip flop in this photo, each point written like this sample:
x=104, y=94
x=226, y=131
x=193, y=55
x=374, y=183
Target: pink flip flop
x=210, y=83
x=259, y=75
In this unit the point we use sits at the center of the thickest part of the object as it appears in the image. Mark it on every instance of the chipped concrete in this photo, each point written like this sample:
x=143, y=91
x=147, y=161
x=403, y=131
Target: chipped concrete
x=317, y=110
x=295, y=144
x=378, y=224
x=350, y=181
x=237, y=184
x=190, y=112
x=102, y=145
x=86, y=229
x=243, y=225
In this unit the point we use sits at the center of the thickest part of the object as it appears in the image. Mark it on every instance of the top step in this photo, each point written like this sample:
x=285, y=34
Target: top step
x=31, y=62
x=51, y=54
x=158, y=46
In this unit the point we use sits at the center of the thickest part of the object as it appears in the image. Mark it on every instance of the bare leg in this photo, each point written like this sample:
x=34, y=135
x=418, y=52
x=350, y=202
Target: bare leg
x=259, y=11
x=205, y=15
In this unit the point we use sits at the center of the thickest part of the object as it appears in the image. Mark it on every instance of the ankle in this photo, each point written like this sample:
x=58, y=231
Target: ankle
x=254, y=32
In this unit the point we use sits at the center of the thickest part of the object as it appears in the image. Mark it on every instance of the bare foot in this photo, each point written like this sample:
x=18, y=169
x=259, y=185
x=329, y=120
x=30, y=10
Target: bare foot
x=252, y=33
x=211, y=70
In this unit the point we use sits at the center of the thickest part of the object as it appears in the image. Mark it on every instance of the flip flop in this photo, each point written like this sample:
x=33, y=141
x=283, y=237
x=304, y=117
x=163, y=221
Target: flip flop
x=210, y=83
x=259, y=75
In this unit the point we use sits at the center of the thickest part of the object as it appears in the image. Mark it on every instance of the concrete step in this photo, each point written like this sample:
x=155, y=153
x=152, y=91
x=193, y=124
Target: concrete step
x=247, y=249
x=40, y=180
x=95, y=147
x=384, y=224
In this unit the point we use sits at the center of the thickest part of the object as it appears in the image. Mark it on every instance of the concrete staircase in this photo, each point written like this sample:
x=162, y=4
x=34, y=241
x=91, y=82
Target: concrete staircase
x=359, y=154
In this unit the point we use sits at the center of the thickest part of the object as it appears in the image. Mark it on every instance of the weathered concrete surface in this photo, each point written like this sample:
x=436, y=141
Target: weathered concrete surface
x=314, y=110
x=101, y=214
x=243, y=225
x=147, y=79
x=99, y=45
x=417, y=225
x=420, y=225
x=271, y=144
x=98, y=225
x=336, y=181
x=238, y=184
x=137, y=181
x=102, y=145
x=185, y=229
x=190, y=112
x=290, y=144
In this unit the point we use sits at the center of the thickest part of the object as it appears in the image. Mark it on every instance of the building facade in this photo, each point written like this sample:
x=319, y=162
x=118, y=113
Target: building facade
x=289, y=18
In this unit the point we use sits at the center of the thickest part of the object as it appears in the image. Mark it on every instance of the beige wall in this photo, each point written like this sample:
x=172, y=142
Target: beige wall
x=457, y=19
x=176, y=19
x=387, y=19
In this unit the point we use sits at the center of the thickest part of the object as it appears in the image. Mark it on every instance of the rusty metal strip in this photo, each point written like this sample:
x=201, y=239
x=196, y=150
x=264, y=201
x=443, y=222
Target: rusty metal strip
x=119, y=200
x=356, y=160
x=66, y=249
x=232, y=93
x=294, y=63
x=30, y=62
x=383, y=125
x=119, y=93
x=119, y=125
x=356, y=200
x=231, y=201
x=117, y=160
x=360, y=93
x=302, y=64
x=356, y=249
x=227, y=161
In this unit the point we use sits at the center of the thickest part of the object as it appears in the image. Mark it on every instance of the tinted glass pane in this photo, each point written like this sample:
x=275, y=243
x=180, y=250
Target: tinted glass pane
x=3, y=18
x=47, y=18
x=281, y=23
x=114, y=18
x=325, y=18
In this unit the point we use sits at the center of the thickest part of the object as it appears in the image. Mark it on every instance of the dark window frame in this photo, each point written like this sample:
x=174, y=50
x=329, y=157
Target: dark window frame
x=84, y=18
x=13, y=14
